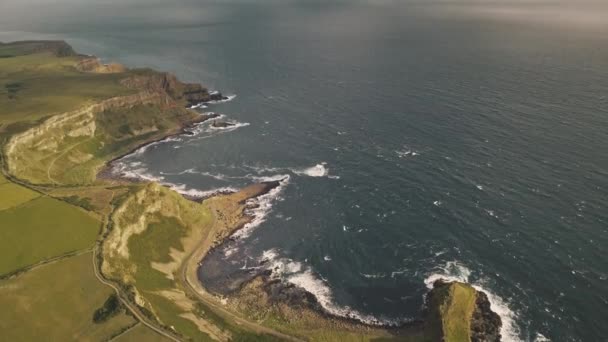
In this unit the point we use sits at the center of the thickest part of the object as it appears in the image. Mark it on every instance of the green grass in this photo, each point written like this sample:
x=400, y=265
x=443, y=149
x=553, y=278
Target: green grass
x=452, y=307
x=43, y=228
x=457, y=313
x=154, y=245
x=168, y=312
x=38, y=94
x=56, y=302
x=12, y=195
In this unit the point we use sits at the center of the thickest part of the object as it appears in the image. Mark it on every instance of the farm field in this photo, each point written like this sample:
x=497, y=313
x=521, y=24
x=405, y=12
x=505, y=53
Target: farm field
x=56, y=302
x=12, y=195
x=43, y=228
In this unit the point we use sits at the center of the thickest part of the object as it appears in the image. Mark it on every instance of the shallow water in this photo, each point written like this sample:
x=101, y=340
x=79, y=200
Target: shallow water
x=420, y=140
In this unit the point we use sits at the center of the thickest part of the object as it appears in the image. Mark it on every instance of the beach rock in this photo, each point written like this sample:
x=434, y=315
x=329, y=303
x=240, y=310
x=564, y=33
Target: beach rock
x=222, y=124
x=189, y=94
x=485, y=323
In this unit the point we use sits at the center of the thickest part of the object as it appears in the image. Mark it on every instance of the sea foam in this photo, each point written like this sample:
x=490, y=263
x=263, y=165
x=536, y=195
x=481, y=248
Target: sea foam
x=261, y=206
x=303, y=276
x=319, y=170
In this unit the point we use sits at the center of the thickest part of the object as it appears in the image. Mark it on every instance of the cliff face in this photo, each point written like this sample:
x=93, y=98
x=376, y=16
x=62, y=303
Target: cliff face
x=485, y=323
x=34, y=155
x=458, y=312
x=187, y=93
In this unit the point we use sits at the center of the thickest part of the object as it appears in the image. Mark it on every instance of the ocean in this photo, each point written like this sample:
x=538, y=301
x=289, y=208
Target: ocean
x=413, y=140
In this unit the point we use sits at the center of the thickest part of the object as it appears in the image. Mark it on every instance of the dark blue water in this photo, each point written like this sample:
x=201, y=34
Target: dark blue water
x=420, y=140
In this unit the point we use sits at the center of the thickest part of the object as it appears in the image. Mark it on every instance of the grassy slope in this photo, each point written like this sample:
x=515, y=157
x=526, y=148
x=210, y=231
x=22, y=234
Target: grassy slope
x=56, y=303
x=163, y=231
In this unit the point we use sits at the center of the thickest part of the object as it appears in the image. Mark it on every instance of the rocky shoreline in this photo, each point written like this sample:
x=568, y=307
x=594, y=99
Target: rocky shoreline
x=280, y=295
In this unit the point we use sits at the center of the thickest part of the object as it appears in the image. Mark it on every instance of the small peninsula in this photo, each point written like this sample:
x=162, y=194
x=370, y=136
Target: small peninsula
x=88, y=255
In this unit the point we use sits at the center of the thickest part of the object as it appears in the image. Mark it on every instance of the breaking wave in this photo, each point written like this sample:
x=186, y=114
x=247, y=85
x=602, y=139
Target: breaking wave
x=259, y=207
x=319, y=170
x=227, y=99
x=126, y=170
x=303, y=276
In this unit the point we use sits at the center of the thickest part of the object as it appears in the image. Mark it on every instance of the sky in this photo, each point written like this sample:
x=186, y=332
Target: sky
x=55, y=16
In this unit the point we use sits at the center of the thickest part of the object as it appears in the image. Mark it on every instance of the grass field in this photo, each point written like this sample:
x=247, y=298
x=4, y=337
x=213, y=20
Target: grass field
x=29, y=87
x=458, y=311
x=43, y=228
x=56, y=302
x=12, y=195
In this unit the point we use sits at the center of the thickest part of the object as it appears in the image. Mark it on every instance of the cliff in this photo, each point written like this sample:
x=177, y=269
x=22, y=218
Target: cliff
x=188, y=94
x=58, y=48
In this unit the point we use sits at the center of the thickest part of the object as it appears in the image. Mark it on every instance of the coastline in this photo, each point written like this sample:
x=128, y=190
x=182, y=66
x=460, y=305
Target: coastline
x=230, y=213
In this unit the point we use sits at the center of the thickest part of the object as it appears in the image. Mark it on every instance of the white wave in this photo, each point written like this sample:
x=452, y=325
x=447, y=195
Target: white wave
x=144, y=148
x=198, y=105
x=541, y=338
x=298, y=274
x=141, y=173
x=227, y=99
x=261, y=206
x=319, y=170
x=373, y=275
x=479, y=187
x=230, y=251
x=437, y=203
x=196, y=193
x=406, y=153
x=455, y=271
x=235, y=125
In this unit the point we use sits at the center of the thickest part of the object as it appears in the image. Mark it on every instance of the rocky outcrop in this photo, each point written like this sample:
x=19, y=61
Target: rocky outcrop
x=485, y=323
x=222, y=124
x=188, y=93
x=94, y=65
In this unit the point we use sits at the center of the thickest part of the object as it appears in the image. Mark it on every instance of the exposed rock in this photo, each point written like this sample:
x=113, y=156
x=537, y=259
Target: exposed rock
x=94, y=65
x=188, y=93
x=485, y=323
x=222, y=124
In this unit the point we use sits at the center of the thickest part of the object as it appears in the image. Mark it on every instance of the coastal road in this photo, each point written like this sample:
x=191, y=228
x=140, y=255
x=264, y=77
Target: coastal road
x=189, y=279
